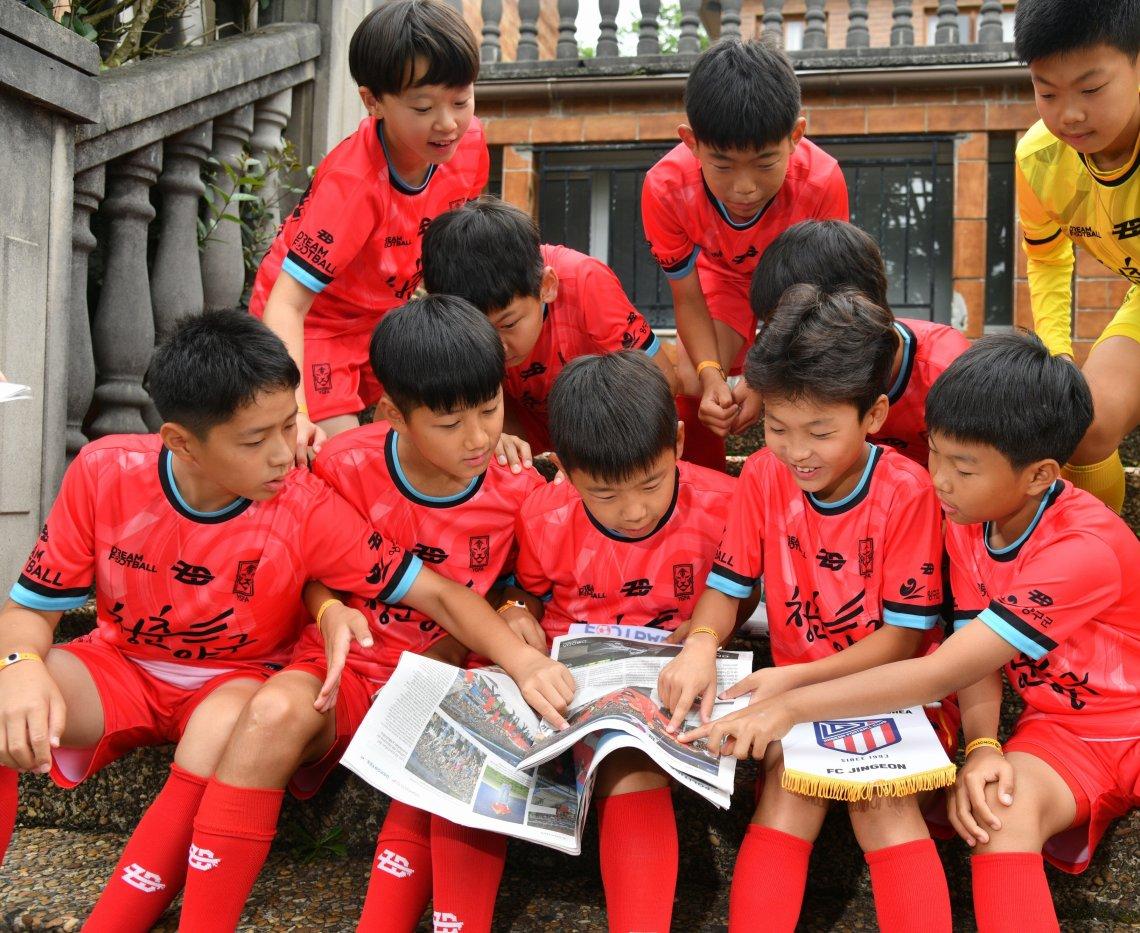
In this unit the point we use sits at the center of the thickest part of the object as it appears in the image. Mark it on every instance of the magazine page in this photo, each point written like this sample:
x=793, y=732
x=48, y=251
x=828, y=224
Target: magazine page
x=450, y=741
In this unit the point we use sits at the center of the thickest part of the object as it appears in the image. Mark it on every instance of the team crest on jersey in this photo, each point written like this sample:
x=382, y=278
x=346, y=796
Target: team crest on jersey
x=479, y=551
x=243, y=579
x=866, y=557
x=322, y=378
x=683, y=583
x=857, y=736
x=191, y=574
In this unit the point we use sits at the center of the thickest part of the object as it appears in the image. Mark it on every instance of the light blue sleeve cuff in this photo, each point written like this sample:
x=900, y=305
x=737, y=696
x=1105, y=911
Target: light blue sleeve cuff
x=729, y=587
x=686, y=269
x=1020, y=641
x=29, y=600
x=908, y=620
x=415, y=565
x=310, y=282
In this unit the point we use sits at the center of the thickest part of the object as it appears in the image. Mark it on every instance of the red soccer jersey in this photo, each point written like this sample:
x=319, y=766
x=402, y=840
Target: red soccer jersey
x=587, y=573
x=590, y=315
x=1067, y=595
x=835, y=571
x=214, y=589
x=928, y=348
x=468, y=537
x=355, y=237
x=687, y=226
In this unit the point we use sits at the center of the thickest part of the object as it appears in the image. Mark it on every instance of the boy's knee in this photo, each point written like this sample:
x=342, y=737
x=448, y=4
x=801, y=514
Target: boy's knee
x=281, y=716
x=629, y=771
x=887, y=821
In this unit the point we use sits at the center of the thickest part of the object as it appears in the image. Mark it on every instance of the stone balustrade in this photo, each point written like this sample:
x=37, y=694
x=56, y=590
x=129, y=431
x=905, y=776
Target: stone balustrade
x=160, y=121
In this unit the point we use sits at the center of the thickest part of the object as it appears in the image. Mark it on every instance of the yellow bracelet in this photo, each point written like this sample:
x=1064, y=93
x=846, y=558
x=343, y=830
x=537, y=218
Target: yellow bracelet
x=704, y=630
x=707, y=364
x=17, y=656
x=302, y=409
x=511, y=604
x=321, y=612
x=984, y=743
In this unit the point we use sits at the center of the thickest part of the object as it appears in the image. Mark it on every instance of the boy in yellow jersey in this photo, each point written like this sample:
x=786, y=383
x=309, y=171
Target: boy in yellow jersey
x=1078, y=182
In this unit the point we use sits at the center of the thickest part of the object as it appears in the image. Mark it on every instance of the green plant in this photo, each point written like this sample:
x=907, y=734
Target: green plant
x=308, y=846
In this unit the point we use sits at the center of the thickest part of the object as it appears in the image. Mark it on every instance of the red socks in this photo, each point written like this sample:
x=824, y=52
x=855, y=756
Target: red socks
x=768, y=880
x=9, y=800
x=152, y=868
x=399, y=885
x=638, y=840
x=232, y=834
x=702, y=446
x=1011, y=893
x=466, y=866
x=910, y=888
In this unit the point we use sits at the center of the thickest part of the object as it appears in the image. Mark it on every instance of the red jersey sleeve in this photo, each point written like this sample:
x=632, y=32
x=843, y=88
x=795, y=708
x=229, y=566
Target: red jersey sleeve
x=483, y=171
x=529, y=571
x=611, y=320
x=739, y=560
x=912, y=560
x=670, y=245
x=834, y=204
x=1057, y=591
x=60, y=571
x=345, y=552
x=337, y=218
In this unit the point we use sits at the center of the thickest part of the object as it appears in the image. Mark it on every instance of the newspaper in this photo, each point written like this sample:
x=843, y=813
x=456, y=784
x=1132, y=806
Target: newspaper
x=465, y=745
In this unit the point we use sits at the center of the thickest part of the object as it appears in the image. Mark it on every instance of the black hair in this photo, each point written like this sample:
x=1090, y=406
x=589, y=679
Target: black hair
x=383, y=51
x=439, y=352
x=832, y=254
x=1008, y=392
x=487, y=251
x=1042, y=28
x=214, y=364
x=824, y=346
x=742, y=95
x=612, y=415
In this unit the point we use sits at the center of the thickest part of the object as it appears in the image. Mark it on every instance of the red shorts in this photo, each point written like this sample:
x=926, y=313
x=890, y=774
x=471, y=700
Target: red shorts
x=352, y=702
x=727, y=301
x=138, y=708
x=338, y=378
x=1103, y=775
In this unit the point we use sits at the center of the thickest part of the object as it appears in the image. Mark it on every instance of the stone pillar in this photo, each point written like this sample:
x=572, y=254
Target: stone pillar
x=80, y=356
x=223, y=268
x=267, y=145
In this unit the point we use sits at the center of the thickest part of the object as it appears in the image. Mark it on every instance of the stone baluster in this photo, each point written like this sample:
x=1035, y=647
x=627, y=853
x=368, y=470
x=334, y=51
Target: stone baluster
x=858, y=35
x=528, y=31
x=123, y=330
x=815, y=25
x=176, y=279
x=902, y=23
x=989, y=23
x=946, y=32
x=491, y=49
x=80, y=357
x=223, y=267
x=689, y=41
x=267, y=145
x=730, y=19
x=607, y=29
x=567, y=29
x=773, y=19
x=648, y=41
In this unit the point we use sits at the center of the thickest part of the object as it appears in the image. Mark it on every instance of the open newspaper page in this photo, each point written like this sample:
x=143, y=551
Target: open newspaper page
x=617, y=690
x=450, y=741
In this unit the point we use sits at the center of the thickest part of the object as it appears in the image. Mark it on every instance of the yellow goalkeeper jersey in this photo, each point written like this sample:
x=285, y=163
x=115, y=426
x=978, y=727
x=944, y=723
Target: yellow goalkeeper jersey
x=1064, y=199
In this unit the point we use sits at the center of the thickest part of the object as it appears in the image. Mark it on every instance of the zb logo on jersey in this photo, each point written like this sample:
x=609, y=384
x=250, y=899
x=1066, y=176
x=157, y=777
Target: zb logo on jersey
x=641, y=587
x=429, y=554
x=191, y=574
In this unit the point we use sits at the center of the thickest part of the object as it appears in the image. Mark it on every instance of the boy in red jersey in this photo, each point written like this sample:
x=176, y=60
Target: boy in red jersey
x=1044, y=586
x=834, y=254
x=742, y=173
x=847, y=536
x=628, y=540
x=351, y=249
x=550, y=304
x=424, y=475
x=198, y=541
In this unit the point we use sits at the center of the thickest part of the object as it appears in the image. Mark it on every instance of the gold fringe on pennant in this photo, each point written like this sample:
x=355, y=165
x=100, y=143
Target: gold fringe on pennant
x=812, y=785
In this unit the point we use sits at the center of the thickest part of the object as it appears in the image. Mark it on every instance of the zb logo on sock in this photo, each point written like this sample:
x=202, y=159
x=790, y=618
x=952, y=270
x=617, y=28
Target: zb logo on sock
x=138, y=877
x=203, y=859
x=394, y=864
x=446, y=923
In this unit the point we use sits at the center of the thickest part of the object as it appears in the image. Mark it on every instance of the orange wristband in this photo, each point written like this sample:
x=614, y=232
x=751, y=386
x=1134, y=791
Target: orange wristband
x=321, y=613
x=711, y=364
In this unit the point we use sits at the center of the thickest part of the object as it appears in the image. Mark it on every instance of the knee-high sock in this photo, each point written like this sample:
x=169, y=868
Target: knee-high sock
x=768, y=881
x=9, y=801
x=631, y=829
x=232, y=833
x=1105, y=480
x=1011, y=893
x=399, y=885
x=466, y=867
x=910, y=888
x=152, y=868
x=702, y=446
